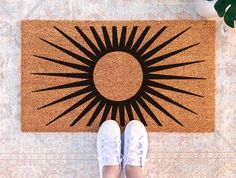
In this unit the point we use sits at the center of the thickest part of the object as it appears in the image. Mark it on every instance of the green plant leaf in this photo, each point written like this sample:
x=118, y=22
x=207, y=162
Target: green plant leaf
x=221, y=5
x=231, y=12
x=226, y=9
x=228, y=21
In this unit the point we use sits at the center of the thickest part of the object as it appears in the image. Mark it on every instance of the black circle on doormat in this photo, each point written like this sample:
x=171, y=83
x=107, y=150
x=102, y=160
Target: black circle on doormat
x=118, y=42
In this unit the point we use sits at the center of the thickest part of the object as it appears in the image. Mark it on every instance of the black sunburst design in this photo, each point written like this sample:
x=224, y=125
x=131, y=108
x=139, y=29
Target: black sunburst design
x=139, y=51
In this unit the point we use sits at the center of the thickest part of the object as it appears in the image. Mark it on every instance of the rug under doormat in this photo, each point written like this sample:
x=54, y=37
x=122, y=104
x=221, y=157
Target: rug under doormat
x=77, y=74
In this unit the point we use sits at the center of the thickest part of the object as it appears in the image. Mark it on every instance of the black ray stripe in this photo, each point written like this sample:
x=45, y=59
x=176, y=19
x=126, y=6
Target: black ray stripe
x=96, y=112
x=129, y=112
x=106, y=37
x=164, y=97
x=114, y=112
x=97, y=38
x=123, y=37
x=78, y=45
x=68, y=64
x=158, y=48
x=122, y=114
x=150, y=41
x=140, y=39
x=148, y=110
x=79, y=103
x=68, y=75
x=105, y=113
x=67, y=97
x=154, y=103
x=167, y=87
x=69, y=85
x=114, y=37
x=139, y=113
x=86, y=110
x=165, y=56
x=169, y=66
x=70, y=53
x=172, y=77
x=131, y=37
x=92, y=46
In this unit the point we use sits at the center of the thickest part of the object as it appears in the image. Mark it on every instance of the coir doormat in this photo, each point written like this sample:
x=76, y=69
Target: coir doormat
x=77, y=74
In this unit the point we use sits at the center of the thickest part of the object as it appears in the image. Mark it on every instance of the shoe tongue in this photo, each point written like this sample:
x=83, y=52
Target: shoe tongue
x=134, y=162
x=108, y=154
x=113, y=161
x=135, y=158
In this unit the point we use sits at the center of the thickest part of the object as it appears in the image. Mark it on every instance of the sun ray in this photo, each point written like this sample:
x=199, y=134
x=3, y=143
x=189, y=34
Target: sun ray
x=158, y=106
x=172, y=77
x=114, y=37
x=88, y=41
x=150, y=41
x=68, y=64
x=98, y=39
x=114, y=112
x=123, y=37
x=140, y=39
x=131, y=37
x=139, y=113
x=78, y=45
x=68, y=75
x=159, y=47
x=164, y=97
x=79, y=103
x=106, y=38
x=129, y=112
x=96, y=112
x=170, y=66
x=170, y=88
x=86, y=110
x=148, y=110
x=70, y=53
x=69, y=85
x=105, y=113
x=67, y=97
x=122, y=114
x=165, y=56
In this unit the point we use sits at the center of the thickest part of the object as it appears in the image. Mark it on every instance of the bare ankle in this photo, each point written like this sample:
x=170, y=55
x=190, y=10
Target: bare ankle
x=112, y=171
x=133, y=171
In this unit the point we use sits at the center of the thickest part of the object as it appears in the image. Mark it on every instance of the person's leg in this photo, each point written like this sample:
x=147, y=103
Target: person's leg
x=135, y=149
x=109, y=149
x=133, y=171
x=111, y=171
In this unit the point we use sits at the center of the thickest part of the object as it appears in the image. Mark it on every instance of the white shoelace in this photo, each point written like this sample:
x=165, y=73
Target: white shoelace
x=135, y=150
x=107, y=146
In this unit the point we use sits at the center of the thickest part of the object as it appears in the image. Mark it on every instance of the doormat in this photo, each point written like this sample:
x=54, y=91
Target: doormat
x=77, y=74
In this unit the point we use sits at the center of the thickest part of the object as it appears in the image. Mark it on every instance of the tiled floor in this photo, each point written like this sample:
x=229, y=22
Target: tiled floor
x=72, y=155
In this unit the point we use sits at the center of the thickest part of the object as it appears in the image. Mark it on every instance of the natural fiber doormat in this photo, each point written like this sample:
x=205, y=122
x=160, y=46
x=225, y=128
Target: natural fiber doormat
x=77, y=74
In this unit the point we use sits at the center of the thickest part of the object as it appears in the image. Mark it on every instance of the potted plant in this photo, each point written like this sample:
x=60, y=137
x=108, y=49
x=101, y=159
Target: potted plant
x=224, y=8
x=227, y=9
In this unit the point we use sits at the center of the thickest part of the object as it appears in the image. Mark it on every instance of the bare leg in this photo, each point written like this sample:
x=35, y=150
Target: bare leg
x=133, y=171
x=111, y=171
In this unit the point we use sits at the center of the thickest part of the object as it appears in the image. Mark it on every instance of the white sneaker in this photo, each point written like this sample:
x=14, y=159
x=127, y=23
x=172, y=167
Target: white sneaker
x=109, y=144
x=135, y=144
